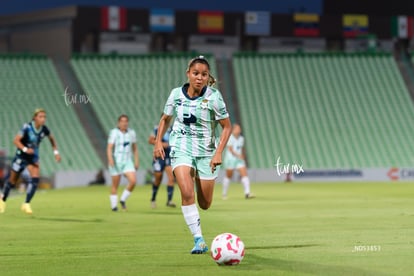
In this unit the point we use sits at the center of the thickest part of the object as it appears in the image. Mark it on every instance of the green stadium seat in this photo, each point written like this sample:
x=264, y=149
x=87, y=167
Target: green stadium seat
x=135, y=85
x=32, y=82
x=324, y=110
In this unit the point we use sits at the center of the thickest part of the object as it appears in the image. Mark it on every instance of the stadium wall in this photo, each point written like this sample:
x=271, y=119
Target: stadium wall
x=62, y=31
x=66, y=179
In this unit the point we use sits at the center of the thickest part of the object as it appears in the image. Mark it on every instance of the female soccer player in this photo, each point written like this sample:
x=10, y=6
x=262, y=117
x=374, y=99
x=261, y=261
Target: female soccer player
x=195, y=155
x=159, y=166
x=27, y=142
x=235, y=160
x=122, y=154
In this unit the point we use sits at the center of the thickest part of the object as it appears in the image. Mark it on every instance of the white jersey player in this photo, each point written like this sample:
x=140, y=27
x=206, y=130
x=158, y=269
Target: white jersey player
x=235, y=160
x=122, y=154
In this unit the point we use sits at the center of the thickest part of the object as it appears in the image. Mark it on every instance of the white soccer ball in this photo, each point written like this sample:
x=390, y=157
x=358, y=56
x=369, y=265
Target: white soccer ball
x=227, y=249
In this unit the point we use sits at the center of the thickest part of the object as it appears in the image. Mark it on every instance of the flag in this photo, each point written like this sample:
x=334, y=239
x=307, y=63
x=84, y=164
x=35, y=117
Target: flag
x=210, y=22
x=257, y=23
x=354, y=25
x=306, y=24
x=113, y=18
x=402, y=26
x=162, y=20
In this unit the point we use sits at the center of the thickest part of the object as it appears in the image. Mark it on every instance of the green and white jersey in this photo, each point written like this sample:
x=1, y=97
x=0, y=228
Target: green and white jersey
x=193, y=131
x=236, y=145
x=122, y=141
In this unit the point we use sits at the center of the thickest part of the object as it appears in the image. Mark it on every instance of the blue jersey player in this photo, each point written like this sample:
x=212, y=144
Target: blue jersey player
x=160, y=165
x=27, y=142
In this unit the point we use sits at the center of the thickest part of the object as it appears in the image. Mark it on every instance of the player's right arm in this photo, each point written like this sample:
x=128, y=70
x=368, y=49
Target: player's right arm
x=17, y=141
x=162, y=128
x=110, y=148
x=151, y=139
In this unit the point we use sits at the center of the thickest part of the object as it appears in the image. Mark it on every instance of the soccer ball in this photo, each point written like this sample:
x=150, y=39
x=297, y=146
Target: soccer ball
x=227, y=249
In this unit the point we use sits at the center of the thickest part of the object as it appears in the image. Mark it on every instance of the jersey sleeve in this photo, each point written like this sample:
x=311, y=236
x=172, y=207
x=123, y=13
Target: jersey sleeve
x=23, y=130
x=133, y=137
x=230, y=143
x=219, y=107
x=112, y=137
x=46, y=130
x=169, y=105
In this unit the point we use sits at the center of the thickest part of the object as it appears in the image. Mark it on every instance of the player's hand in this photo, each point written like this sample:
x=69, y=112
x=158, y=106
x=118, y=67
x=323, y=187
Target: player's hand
x=136, y=167
x=57, y=157
x=111, y=163
x=30, y=151
x=215, y=161
x=158, y=151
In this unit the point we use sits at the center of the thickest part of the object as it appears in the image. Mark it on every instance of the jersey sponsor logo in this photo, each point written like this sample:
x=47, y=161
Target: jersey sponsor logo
x=189, y=119
x=126, y=144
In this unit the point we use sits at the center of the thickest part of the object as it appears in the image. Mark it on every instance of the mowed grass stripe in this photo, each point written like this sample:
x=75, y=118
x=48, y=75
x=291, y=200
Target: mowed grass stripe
x=289, y=229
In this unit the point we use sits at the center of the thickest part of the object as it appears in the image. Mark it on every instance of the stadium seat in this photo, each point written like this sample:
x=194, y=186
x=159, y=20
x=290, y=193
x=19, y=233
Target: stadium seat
x=135, y=85
x=31, y=82
x=324, y=110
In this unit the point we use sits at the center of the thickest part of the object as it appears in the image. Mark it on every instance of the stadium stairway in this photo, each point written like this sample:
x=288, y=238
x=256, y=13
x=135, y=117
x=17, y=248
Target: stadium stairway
x=28, y=82
x=325, y=111
x=83, y=108
x=405, y=65
x=136, y=85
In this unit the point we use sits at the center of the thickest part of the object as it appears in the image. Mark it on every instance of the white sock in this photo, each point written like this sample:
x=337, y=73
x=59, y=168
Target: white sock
x=114, y=200
x=246, y=184
x=125, y=195
x=192, y=218
x=226, y=184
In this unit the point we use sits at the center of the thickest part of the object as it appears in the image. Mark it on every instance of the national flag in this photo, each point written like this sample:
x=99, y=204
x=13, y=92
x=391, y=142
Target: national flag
x=402, y=26
x=113, y=18
x=306, y=24
x=162, y=20
x=354, y=25
x=257, y=23
x=210, y=22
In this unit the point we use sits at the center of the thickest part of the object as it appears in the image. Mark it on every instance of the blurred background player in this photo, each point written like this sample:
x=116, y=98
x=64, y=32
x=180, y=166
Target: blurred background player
x=160, y=165
x=235, y=160
x=196, y=152
x=123, y=159
x=27, y=142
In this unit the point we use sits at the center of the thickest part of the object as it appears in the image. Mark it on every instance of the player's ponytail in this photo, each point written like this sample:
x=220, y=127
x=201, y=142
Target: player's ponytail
x=211, y=80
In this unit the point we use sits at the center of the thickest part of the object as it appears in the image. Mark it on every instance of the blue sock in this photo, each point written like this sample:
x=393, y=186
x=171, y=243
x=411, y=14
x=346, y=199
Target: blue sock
x=31, y=189
x=6, y=190
x=170, y=192
x=154, y=192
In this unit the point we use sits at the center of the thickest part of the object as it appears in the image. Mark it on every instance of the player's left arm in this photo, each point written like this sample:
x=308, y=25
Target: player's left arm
x=136, y=155
x=243, y=153
x=54, y=146
x=224, y=138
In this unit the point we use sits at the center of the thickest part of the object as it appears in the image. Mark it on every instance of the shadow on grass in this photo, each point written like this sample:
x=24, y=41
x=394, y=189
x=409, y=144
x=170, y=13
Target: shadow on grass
x=282, y=246
x=68, y=219
x=156, y=212
x=257, y=263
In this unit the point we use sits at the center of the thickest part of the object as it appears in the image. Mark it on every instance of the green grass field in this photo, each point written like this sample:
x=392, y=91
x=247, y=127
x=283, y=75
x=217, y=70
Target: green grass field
x=289, y=229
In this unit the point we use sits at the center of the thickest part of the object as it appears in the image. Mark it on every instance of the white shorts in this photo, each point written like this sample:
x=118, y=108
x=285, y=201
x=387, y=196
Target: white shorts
x=121, y=168
x=234, y=163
